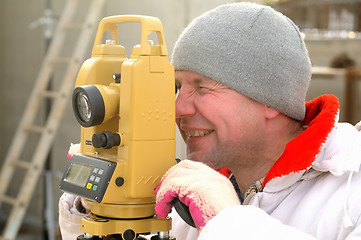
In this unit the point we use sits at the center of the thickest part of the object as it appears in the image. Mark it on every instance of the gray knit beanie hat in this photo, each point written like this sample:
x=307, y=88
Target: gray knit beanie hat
x=252, y=49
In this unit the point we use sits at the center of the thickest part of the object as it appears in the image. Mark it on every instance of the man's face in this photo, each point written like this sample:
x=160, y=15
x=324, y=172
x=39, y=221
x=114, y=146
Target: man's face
x=219, y=125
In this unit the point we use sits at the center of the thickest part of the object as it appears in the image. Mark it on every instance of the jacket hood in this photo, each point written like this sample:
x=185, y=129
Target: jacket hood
x=316, y=173
x=313, y=150
x=343, y=154
x=321, y=117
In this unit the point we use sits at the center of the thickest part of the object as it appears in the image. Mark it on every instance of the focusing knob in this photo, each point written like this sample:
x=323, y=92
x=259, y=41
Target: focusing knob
x=99, y=140
x=105, y=140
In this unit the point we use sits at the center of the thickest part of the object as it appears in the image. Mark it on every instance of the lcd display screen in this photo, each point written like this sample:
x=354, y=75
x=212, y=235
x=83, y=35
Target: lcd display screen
x=78, y=174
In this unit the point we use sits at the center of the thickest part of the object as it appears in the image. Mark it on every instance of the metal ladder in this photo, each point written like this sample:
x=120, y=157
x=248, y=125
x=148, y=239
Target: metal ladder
x=32, y=166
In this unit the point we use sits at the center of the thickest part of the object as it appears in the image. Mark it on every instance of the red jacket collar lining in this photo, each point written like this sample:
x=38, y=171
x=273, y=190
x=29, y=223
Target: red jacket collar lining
x=300, y=153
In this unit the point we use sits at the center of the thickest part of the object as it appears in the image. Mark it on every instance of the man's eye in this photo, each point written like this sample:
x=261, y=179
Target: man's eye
x=203, y=89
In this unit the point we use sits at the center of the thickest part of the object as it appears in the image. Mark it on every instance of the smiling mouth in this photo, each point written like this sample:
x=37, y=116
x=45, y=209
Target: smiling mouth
x=197, y=133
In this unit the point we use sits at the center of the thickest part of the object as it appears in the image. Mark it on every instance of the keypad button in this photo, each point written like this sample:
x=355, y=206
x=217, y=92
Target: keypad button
x=97, y=179
x=92, y=178
x=89, y=186
x=95, y=170
x=101, y=171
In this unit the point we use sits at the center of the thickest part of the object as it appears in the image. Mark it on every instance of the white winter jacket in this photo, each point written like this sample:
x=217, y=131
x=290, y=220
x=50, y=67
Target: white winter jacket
x=312, y=192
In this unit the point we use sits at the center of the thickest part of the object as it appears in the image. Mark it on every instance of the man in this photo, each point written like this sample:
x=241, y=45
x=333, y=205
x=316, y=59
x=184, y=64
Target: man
x=242, y=73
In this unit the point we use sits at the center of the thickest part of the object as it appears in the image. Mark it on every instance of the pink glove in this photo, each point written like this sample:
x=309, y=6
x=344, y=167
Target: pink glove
x=205, y=191
x=73, y=149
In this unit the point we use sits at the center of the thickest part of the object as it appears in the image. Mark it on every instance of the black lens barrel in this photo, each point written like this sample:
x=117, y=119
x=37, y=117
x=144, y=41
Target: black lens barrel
x=96, y=105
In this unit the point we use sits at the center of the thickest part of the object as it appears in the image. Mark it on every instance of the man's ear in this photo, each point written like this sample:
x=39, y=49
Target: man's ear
x=271, y=113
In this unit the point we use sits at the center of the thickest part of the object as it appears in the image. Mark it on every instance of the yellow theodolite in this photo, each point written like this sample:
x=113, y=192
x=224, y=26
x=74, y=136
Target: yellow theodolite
x=127, y=111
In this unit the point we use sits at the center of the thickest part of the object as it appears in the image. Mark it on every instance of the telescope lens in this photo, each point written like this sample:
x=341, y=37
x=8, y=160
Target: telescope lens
x=84, y=107
x=88, y=105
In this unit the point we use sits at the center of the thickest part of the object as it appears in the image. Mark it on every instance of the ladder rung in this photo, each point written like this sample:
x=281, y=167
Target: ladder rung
x=61, y=60
x=47, y=131
x=7, y=199
x=49, y=94
x=33, y=128
x=22, y=164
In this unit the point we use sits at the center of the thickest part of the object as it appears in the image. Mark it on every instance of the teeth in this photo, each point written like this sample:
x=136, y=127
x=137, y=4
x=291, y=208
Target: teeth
x=196, y=133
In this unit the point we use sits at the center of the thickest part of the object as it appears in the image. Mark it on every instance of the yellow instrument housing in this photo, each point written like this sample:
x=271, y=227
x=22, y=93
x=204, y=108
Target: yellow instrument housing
x=141, y=109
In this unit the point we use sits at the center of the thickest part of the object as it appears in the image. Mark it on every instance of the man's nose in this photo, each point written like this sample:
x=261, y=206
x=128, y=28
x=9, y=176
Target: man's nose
x=184, y=105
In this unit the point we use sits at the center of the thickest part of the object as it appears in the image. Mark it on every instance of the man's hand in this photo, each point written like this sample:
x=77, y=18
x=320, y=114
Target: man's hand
x=80, y=204
x=205, y=191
